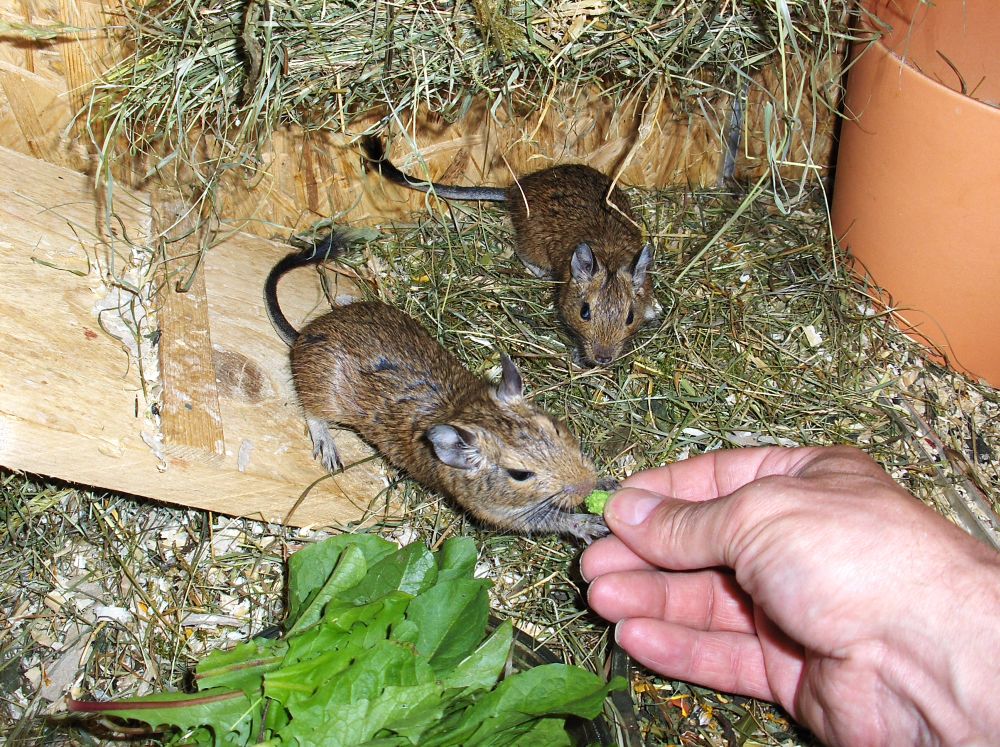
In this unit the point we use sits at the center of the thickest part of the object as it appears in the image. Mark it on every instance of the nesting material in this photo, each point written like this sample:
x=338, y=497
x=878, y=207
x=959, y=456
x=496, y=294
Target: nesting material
x=250, y=109
x=244, y=102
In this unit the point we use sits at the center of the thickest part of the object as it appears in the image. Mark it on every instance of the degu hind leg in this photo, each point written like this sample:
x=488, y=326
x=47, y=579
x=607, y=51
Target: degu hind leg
x=324, y=448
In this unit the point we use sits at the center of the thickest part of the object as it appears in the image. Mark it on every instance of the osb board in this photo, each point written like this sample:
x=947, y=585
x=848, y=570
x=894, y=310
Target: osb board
x=71, y=401
x=645, y=142
x=660, y=139
x=44, y=83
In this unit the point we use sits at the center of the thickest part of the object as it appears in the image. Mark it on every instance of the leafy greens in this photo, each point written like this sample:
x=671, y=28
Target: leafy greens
x=382, y=647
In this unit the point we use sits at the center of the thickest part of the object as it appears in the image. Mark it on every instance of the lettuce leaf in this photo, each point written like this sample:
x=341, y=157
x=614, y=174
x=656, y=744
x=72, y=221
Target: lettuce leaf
x=385, y=647
x=451, y=620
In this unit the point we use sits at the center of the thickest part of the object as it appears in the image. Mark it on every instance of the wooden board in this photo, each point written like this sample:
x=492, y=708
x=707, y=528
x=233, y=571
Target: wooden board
x=72, y=404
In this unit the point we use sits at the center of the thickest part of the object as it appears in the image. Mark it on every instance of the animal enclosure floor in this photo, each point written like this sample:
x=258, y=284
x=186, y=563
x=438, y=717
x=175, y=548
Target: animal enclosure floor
x=765, y=340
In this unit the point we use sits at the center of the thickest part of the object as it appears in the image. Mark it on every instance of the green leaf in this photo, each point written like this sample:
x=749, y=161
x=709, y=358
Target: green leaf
x=346, y=628
x=327, y=649
x=406, y=631
x=482, y=668
x=548, y=731
x=275, y=718
x=402, y=711
x=298, y=683
x=547, y=690
x=416, y=709
x=377, y=617
x=243, y=667
x=457, y=558
x=349, y=572
x=411, y=569
x=310, y=567
x=455, y=707
x=451, y=618
x=230, y=715
x=382, y=683
x=365, y=661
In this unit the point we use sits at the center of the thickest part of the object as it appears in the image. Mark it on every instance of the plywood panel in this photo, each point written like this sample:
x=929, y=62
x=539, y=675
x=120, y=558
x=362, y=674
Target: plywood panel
x=72, y=403
x=33, y=113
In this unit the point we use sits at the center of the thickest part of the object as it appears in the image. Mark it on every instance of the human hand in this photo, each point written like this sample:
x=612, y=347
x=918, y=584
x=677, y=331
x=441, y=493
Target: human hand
x=870, y=618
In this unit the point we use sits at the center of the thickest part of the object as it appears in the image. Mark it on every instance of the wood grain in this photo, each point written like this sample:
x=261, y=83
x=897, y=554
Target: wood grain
x=190, y=417
x=73, y=406
x=37, y=113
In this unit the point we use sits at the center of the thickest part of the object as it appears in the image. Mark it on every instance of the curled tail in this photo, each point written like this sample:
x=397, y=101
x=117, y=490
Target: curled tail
x=328, y=248
x=375, y=155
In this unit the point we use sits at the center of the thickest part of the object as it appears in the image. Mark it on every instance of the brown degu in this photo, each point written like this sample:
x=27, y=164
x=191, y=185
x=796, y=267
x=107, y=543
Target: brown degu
x=370, y=367
x=565, y=230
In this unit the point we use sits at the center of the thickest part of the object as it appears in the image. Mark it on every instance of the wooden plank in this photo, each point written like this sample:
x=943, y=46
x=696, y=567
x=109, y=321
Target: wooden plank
x=190, y=417
x=127, y=465
x=36, y=114
x=43, y=83
x=263, y=422
x=79, y=55
x=72, y=404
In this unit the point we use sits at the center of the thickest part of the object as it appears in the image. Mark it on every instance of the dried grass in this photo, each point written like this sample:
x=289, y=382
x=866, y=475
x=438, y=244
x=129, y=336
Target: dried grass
x=235, y=70
x=206, y=85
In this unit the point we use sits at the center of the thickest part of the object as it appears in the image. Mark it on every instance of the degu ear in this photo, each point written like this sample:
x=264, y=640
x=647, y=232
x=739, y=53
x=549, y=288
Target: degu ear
x=511, y=387
x=583, y=266
x=640, y=266
x=453, y=445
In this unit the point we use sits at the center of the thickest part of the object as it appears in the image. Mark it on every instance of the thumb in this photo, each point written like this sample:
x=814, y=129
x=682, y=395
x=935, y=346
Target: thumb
x=671, y=533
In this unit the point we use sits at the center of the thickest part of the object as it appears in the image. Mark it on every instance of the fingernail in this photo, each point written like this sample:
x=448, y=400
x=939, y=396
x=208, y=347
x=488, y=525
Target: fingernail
x=581, y=561
x=631, y=507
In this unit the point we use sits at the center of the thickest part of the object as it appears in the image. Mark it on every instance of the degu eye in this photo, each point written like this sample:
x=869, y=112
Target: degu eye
x=585, y=312
x=631, y=315
x=520, y=474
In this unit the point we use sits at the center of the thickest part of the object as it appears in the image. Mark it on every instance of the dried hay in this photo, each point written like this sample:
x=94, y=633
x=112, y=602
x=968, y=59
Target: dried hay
x=659, y=94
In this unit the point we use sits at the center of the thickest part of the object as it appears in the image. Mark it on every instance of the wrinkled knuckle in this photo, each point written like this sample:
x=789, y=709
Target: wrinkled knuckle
x=842, y=459
x=698, y=655
x=754, y=507
x=714, y=656
x=672, y=526
x=735, y=667
x=765, y=496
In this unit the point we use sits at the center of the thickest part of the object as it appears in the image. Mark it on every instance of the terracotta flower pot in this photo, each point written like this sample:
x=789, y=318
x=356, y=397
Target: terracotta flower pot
x=917, y=190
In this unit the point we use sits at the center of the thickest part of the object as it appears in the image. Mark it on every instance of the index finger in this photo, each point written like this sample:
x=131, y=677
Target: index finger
x=718, y=473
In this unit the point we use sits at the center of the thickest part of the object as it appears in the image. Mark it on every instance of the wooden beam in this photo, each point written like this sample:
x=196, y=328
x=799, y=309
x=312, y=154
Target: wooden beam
x=72, y=402
x=190, y=417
